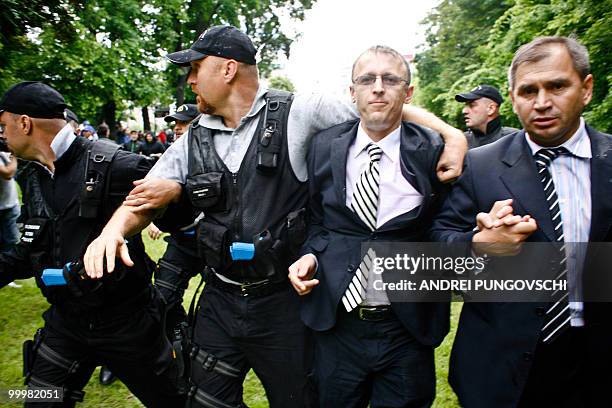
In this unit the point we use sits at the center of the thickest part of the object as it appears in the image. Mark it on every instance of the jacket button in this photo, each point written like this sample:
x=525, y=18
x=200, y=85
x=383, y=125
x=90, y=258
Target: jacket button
x=540, y=311
x=350, y=268
x=528, y=356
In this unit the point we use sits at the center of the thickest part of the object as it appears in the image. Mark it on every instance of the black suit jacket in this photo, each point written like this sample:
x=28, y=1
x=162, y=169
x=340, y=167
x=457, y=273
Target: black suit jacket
x=495, y=342
x=336, y=232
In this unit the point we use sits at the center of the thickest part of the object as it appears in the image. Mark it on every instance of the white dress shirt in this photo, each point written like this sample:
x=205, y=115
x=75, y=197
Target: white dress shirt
x=396, y=195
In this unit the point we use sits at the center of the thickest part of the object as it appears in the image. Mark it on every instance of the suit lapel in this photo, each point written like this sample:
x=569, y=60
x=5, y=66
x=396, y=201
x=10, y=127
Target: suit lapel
x=339, y=153
x=414, y=162
x=601, y=185
x=522, y=180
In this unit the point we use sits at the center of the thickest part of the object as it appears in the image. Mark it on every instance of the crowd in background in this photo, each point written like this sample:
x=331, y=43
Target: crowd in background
x=133, y=140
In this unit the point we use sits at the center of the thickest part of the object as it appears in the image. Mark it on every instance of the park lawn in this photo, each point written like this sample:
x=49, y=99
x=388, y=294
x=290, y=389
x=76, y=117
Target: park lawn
x=21, y=316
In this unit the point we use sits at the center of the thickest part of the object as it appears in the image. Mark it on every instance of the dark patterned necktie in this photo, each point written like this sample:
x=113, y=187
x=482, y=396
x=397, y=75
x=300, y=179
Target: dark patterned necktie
x=558, y=315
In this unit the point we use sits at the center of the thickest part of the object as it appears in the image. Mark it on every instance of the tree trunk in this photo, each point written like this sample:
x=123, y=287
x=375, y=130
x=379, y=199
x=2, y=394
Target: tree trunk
x=145, y=118
x=109, y=112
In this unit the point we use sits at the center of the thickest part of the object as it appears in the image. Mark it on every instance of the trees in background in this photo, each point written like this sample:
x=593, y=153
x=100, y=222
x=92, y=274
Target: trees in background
x=260, y=19
x=107, y=55
x=101, y=55
x=281, y=82
x=469, y=43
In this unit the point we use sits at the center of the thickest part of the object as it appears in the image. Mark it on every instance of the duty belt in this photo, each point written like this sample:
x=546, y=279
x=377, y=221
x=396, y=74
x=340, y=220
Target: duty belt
x=256, y=289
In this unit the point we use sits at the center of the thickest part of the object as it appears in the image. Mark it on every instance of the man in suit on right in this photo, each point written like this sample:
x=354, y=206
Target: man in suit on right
x=549, y=183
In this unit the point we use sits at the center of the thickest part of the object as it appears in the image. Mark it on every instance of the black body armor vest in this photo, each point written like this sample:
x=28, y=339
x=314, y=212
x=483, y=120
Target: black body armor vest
x=263, y=203
x=56, y=236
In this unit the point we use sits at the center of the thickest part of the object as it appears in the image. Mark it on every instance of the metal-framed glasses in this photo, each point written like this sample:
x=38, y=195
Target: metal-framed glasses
x=387, y=80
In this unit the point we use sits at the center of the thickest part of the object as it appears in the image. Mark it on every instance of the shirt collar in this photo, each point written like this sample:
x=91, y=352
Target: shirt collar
x=216, y=122
x=389, y=144
x=578, y=145
x=60, y=145
x=62, y=141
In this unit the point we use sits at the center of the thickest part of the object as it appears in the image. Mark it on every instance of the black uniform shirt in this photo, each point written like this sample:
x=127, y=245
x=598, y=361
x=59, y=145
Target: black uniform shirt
x=495, y=131
x=68, y=238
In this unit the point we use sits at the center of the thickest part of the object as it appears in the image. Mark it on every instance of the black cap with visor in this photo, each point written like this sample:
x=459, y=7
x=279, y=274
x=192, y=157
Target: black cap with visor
x=220, y=41
x=35, y=99
x=481, y=91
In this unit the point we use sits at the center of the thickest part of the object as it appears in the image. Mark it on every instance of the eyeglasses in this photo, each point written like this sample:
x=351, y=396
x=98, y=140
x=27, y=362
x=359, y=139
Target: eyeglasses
x=387, y=80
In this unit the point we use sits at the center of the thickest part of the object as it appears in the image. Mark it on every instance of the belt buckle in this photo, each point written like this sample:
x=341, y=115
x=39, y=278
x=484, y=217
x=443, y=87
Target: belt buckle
x=362, y=315
x=372, y=314
x=246, y=287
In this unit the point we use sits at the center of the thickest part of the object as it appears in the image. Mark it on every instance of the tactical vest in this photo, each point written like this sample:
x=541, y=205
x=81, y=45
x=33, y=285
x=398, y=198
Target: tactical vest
x=52, y=244
x=263, y=203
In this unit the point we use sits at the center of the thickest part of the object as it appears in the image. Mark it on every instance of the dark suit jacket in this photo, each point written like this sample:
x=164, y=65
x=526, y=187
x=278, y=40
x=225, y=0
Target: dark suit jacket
x=495, y=342
x=336, y=232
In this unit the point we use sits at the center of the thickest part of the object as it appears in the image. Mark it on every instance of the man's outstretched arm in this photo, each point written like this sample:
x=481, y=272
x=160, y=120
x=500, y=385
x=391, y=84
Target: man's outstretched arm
x=124, y=223
x=450, y=165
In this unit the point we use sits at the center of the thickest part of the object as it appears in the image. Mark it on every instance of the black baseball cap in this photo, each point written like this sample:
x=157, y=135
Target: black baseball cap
x=222, y=41
x=184, y=113
x=34, y=99
x=481, y=91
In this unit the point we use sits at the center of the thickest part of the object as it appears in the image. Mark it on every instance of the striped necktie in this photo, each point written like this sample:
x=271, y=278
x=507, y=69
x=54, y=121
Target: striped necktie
x=365, y=194
x=355, y=293
x=558, y=315
x=365, y=205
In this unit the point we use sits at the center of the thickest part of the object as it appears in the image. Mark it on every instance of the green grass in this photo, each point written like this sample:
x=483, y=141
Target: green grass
x=22, y=309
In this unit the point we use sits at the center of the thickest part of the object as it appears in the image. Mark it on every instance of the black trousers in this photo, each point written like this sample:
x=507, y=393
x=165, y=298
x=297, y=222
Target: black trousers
x=571, y=372
x=174, y=271
x=131, y=344
x=378, y=363
x=263, y=333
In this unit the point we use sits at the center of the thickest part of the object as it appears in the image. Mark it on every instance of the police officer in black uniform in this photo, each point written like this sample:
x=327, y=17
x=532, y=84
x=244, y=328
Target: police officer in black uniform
x=252, y=229
x=481, y=112
x=106, y=376
x=71, y=188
